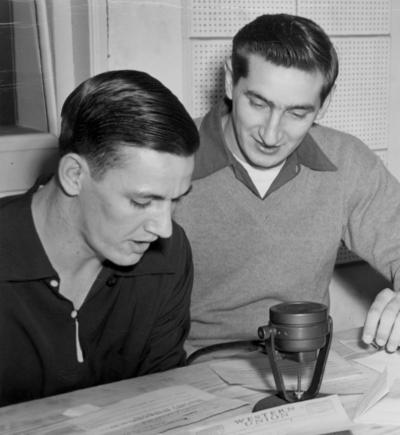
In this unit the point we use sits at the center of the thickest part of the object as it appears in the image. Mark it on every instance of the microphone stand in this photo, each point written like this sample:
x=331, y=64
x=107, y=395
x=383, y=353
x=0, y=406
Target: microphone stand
x=298, y=329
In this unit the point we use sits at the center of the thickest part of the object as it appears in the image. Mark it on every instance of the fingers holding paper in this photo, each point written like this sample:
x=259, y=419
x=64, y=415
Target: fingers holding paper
x=382, y=324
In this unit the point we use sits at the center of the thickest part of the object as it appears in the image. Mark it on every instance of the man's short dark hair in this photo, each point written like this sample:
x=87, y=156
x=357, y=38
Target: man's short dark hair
x=124, y=107
x=288, y=41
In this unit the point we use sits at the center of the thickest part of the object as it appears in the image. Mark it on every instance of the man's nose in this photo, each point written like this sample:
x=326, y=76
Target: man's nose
x=160, y=223
x=270, y=132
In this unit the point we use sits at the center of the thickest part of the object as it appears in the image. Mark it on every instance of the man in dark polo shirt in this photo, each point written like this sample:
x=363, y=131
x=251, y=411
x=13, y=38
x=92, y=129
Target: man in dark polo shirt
x=95, y=277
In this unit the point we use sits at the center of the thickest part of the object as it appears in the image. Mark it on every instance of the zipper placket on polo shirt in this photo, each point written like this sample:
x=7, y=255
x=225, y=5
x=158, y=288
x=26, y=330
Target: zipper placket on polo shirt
x=79, y=353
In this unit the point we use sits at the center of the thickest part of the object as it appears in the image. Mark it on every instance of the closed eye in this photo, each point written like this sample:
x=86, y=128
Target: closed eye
x=256, y=102
x=144, y=200
x=140, y=204
x=298, y=115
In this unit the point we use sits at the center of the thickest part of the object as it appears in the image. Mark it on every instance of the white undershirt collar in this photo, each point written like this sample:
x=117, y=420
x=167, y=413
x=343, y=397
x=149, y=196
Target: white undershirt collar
x=262, y=178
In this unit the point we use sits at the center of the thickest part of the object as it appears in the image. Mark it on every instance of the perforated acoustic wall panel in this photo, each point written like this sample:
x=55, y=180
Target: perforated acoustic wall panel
x=208, y=73
x=360, y=31
x=360, y=103
x=349, y=17
x=222, y=18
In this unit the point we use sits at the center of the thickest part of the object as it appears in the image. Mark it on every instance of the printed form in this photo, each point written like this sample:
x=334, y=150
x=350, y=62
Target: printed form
x=310, y=417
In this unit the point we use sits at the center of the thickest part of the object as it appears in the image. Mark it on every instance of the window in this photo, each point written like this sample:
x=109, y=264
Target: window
x=26, y=113
x=23, y=105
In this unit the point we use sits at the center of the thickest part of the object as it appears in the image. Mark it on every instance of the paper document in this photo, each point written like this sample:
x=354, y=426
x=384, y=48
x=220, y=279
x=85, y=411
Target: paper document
x=310, y=417
x=381, y=404
x=256, y=373
x=149, y=413
x=380, y=360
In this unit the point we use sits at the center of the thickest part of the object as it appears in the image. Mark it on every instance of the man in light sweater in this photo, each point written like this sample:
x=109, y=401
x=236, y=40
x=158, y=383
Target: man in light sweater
x=275, y=193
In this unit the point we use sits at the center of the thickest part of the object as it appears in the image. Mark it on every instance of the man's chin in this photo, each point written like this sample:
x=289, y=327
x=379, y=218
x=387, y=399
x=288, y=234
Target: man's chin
x=126, y=260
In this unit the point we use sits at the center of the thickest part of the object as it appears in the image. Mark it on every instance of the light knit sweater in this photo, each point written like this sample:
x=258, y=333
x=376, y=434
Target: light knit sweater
x=251, y=252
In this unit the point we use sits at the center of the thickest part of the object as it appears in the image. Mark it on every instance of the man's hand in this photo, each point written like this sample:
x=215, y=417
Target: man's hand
x=382, y=324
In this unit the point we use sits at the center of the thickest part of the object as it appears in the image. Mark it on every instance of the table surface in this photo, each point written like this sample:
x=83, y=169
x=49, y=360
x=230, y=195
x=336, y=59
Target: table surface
x=38, y=415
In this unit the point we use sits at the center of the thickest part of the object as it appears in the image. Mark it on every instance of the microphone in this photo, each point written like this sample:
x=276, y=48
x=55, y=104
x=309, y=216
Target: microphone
x=302, y=332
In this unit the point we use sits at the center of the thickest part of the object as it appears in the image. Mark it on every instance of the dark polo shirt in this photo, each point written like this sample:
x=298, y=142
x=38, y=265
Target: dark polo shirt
x=133, y=322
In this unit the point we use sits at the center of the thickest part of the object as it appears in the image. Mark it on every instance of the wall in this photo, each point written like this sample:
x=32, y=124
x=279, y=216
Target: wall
x=394, y=101
x=148, y=35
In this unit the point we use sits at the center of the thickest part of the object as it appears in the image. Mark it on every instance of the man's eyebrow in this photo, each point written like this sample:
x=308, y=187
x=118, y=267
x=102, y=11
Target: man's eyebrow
x=148, y=195
x=306, y=107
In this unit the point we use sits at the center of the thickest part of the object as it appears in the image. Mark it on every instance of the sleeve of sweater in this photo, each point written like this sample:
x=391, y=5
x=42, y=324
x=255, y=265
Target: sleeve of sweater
x=165, y=346
x=372, y=228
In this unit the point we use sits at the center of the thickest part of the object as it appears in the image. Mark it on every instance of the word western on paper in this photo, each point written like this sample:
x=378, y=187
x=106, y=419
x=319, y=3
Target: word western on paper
x=310, y=417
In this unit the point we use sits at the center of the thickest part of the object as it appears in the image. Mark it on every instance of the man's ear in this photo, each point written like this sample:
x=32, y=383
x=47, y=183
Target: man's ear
x=322, y=111
x=228, y=78
x=72, y=170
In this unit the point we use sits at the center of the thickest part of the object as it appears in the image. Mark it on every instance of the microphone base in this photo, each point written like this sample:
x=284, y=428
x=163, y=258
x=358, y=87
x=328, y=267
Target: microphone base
x=275, y=400
x=268, y=402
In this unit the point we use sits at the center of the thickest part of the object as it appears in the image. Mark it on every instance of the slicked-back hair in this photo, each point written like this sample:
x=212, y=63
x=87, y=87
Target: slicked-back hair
x=289, y=41
x=124, y=108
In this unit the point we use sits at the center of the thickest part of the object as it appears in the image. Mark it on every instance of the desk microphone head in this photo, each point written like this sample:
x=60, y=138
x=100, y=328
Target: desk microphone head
x=300, y=331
